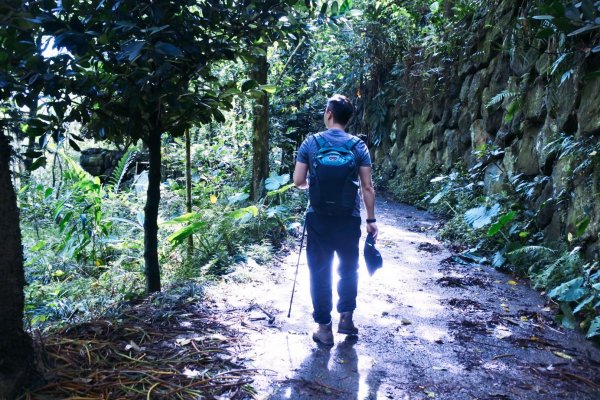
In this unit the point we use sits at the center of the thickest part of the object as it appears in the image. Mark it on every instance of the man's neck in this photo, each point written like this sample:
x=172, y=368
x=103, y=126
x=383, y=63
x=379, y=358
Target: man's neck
x=337, y=126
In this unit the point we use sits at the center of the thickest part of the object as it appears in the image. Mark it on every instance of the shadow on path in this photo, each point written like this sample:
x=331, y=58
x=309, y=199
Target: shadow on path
x=431, y=326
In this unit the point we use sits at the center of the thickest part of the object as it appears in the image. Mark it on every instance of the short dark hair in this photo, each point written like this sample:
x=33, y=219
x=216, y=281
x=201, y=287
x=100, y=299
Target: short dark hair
x=341, y=108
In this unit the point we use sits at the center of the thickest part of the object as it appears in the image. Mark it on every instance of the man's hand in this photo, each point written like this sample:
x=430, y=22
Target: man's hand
x=373, y=229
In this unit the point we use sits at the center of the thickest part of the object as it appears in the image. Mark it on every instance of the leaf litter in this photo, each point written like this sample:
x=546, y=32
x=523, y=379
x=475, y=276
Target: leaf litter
x=153, y=350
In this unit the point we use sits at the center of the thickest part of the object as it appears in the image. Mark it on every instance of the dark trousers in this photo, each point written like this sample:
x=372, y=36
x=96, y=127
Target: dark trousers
x=326, y=235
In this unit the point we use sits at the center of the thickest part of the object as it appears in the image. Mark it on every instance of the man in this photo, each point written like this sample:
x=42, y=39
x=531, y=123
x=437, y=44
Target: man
x=330, y=230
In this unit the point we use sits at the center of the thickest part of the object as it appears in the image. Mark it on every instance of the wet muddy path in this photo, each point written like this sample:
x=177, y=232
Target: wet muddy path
x=432, y=325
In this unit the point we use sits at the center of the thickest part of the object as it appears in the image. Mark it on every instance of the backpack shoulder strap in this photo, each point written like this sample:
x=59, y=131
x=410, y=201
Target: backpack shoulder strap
x=321, y=141
x=352, y=142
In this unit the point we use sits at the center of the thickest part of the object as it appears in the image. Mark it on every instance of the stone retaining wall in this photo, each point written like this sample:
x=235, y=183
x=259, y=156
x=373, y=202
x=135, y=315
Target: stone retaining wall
x=444, y=127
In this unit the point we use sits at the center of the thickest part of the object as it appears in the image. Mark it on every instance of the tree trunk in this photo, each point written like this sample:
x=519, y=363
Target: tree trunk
x=28, y=159
x=260, y=132
x=16, y=351
x=188, y=188
x=152, y=268
x=448, y=8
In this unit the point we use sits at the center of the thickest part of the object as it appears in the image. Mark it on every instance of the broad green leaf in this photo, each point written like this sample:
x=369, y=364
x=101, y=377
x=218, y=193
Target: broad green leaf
x=582, y=226
x=502, y=222
x=274, y=182
x=436, y=199
x=248, y=84
x=479, y=217
x=182, y=219
x=594, y=329
x=498, y=260
x=272, y=212
x=40, y=162
x=244, y=212
x=334, y=8
x=271, y=89
x=238, y=198
x=572, y=290
x=346, y=4
x=132, y=50
x=324, y=8
x=168, y=49
x=568, y=319
x=178, y=237
x=281, y=190
x=584, y=303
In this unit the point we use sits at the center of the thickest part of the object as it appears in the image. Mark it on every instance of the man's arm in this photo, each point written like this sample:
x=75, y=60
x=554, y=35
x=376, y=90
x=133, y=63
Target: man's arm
x=300, y=173
x=368, y=194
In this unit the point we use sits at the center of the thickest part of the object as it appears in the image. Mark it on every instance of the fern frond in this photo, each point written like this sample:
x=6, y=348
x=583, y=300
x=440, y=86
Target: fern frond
x=500, y=97
x=526, y=253
x=121, y=169
x=75, y=168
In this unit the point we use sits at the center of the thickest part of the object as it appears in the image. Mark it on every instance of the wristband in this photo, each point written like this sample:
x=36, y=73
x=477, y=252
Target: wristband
x=370, y=221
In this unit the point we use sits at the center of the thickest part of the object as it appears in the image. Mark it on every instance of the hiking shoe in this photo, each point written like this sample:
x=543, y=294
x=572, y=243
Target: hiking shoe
x=346, y=326
x=323, y=334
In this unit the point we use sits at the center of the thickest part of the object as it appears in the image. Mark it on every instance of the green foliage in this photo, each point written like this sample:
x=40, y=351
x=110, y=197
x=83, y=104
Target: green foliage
x=481, y=216
x=121, y=169
x=414, y=190
x=79, y=216
x=568, y=280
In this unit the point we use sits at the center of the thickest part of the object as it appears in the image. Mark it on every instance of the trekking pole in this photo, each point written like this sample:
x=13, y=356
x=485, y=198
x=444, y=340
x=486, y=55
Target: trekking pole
x=298, y=263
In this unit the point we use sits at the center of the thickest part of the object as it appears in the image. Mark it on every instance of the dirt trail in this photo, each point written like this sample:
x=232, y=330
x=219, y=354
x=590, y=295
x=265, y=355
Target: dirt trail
x=431, y=326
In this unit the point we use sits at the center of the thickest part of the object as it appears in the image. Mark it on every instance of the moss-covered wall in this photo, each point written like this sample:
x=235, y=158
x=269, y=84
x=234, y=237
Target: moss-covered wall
x=444, y=123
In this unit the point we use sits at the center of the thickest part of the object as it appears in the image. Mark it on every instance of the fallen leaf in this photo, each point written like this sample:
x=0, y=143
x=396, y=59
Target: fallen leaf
x=563, y=355
x=502, y=332
x=524, y=319
x=133, y=346
x=213, y=198
x=429, y=394
x=511, y=282
x=183, y=342
x=191, y=373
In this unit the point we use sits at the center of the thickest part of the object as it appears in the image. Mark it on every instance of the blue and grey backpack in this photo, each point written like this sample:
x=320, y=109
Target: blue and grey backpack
x=333, y=177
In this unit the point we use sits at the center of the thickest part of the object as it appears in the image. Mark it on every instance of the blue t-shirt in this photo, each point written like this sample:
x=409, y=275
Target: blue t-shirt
x=336, y=137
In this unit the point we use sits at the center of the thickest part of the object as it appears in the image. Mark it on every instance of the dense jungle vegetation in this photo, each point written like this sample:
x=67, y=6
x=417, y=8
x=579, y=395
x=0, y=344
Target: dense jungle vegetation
x=146, y=146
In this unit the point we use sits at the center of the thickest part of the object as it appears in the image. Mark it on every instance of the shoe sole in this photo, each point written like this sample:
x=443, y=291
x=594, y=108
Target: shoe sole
x=348, y=332
x=317, y=340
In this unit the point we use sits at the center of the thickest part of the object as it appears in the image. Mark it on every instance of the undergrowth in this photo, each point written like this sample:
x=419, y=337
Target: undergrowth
x=500, y=227
x=84, y=238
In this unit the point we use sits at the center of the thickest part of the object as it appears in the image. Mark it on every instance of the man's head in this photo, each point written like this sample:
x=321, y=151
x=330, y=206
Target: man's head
x=338, y=112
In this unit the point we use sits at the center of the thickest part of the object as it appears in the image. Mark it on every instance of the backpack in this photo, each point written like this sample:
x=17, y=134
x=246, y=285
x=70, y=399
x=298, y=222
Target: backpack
x=333, y=177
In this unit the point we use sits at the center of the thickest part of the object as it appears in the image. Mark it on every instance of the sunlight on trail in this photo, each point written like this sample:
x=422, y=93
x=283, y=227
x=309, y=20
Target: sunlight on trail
x=418, y=339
